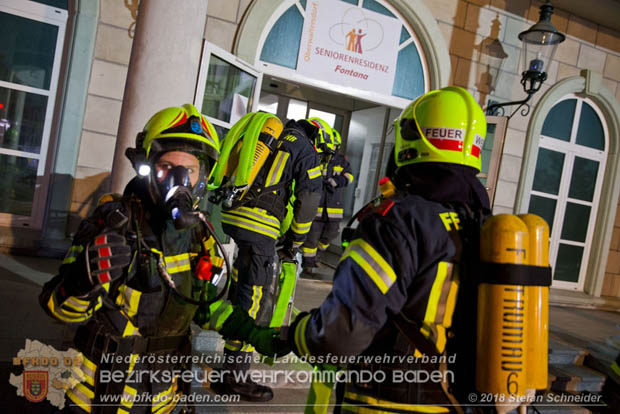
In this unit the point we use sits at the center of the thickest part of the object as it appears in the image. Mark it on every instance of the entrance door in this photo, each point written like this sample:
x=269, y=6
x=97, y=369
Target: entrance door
x=31, y=49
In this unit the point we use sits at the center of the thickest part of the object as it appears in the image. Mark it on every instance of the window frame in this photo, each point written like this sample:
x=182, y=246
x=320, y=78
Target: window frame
x=58, y=17
x=208, y=50
x=492, y=174
x=571, y=149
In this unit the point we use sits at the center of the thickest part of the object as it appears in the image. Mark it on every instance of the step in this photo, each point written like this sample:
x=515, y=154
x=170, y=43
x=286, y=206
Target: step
x=547, y=407
x=575, y=378
x=561, y=353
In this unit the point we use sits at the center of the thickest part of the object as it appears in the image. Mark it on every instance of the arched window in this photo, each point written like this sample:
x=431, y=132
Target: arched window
x=567, y=184
x=282, y=44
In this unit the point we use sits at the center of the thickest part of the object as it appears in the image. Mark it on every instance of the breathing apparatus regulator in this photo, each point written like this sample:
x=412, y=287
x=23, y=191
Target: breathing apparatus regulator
x=173, y=156
x=246, y=148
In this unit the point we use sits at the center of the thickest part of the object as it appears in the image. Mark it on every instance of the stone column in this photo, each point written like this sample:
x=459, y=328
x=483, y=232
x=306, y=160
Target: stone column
x=163, y=70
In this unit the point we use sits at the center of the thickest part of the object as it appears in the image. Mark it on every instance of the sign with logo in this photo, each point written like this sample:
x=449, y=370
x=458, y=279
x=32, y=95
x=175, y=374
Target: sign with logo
x=348, y=45
x=35, y=385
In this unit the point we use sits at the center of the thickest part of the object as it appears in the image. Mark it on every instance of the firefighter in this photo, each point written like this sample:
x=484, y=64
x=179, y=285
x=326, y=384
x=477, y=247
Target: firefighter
x=141, y=269
x=337, y=174
x=397, y=282
x=293, y=170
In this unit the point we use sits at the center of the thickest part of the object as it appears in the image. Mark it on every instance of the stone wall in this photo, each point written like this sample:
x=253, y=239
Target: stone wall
x=465, y=25
x=611, y=283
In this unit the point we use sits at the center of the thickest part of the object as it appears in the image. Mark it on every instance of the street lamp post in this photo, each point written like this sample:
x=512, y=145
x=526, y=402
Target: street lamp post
x=539, y=45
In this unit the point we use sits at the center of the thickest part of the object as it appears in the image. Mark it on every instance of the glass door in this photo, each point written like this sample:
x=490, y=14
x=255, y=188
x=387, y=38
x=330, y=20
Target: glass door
x=32, y=38
x=228, y=88
x=567, y=184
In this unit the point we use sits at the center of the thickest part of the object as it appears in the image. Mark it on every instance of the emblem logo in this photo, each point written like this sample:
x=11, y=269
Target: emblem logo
x=35, y=385
x=196, y=127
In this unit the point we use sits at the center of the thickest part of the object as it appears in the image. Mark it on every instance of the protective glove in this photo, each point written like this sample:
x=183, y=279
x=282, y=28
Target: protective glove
x=241, y=327
x=267, y=342
x=108, y=255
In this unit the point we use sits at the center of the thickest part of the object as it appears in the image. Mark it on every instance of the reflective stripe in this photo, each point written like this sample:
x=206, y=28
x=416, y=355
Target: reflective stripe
x=615, y=368
x=253, y=220
x=178, y=263
x=250, y=225
x=387, y=405
x=68, y=314
x=308, y=251
x=171, y=405
x=300, y=228
x=314, y=172
x=128, y=396
x=257, y=214
x=128, y=299
x=277, y=167
x=323, y=246
x=338, y=169
x=349, y=177
x=81, y=396
x=435, y=309
x=89, y=369
x=335, y=213
x=233, y=345
x=235, y=275
x=72, y=254
x=160, y=399
x=220, y=311
x=247, y=348
x=372, y=263
x=297, y=244
x=300, y=336
x=257, y=294
x=78, y=305
x=451, y=302
x=130, y=329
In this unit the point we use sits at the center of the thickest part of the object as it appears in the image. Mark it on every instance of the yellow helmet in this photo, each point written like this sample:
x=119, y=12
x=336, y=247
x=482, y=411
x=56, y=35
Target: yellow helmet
x=185, y=124
x=176, y=128
x=337, y=139
x=445, y=125
x=324, y=141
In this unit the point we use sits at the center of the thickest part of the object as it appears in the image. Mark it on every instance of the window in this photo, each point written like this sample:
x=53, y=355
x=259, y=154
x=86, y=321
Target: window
x=281, y=46
x=32, y=37
x=567, y=184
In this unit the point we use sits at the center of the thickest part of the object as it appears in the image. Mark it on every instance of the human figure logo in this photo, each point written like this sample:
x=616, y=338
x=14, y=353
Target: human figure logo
x=354, y=40
x=357, y=28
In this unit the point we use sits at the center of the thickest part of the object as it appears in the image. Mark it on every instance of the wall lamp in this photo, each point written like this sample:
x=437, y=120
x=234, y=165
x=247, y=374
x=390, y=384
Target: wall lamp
x=539, y=45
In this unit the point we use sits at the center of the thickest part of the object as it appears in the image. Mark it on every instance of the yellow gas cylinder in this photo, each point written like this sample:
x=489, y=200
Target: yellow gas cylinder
x=502, y=323
x=271, y=129
x=537, y=304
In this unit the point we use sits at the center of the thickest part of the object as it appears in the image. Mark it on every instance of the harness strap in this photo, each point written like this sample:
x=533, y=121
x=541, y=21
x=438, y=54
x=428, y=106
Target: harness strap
x=514, y=274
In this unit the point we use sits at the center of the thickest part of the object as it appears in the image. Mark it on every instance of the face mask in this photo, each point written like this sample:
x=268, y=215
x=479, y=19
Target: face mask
x=177, y=191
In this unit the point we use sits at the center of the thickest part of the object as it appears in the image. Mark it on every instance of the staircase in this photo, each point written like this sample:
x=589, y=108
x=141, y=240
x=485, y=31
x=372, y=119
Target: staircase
x=570, y=374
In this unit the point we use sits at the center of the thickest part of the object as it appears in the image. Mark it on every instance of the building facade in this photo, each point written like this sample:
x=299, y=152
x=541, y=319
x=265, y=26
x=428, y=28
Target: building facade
x=81, y=77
